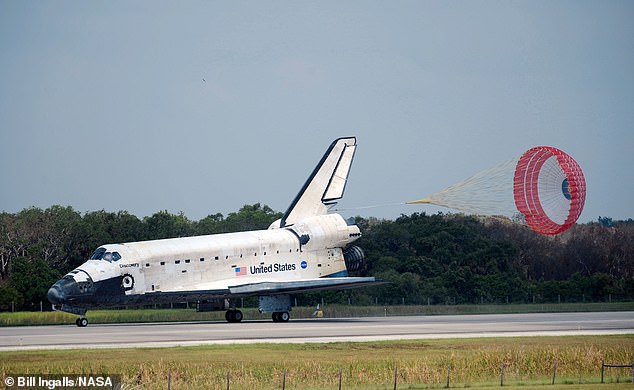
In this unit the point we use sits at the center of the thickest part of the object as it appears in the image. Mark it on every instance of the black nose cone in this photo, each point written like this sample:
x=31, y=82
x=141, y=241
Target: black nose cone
x=55, y=295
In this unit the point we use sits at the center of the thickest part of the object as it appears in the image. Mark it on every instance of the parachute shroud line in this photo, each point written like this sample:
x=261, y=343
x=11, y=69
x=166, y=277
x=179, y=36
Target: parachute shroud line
x=544, y=187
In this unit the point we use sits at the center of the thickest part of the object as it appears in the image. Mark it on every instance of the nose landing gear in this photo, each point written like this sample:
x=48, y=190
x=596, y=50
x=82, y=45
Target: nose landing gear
x=81, y=322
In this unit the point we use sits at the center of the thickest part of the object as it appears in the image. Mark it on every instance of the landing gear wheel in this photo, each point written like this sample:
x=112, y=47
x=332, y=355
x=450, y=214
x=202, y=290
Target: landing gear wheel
x=282, y=316
x=81, y=322
x=233, y=316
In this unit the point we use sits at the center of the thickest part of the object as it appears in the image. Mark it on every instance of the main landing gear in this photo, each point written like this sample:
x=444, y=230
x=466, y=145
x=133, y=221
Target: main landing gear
x=279, y=305
x=81, y=322
x=283, y=316
x=233, y=316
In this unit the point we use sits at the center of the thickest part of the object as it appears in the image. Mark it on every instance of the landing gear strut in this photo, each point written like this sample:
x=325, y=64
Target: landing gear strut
x=233, y=316
x=81, y=322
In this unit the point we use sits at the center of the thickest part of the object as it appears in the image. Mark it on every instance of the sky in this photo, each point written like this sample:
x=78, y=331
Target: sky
x=204, y=106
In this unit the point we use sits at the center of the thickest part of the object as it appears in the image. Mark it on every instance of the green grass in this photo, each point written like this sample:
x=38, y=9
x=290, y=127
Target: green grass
x=332, y=311
x=420, y=364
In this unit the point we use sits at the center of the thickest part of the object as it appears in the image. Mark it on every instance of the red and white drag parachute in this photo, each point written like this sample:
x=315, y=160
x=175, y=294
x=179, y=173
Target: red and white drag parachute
x=544, y=187
x=549, y=189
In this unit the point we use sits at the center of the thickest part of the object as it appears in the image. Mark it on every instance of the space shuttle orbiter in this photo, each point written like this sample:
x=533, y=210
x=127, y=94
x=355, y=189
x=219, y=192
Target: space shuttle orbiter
x=308, y=249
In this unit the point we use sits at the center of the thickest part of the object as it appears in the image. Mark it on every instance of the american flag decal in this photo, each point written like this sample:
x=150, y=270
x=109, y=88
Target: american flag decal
x=241, y=271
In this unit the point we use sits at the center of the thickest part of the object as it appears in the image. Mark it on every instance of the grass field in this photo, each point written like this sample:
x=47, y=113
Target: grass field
x=419, y=364
x=331, y=311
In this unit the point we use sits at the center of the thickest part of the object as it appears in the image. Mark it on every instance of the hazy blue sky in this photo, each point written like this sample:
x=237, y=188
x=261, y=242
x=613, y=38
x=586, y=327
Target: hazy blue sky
x=202, y=107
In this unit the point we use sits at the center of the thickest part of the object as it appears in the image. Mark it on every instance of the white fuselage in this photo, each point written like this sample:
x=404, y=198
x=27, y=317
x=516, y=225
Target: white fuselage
x=217, y=262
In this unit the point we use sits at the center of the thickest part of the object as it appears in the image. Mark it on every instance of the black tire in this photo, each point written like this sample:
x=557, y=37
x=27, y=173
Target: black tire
x=233, y=316
x=82, y=322
x=284, y=316
x=276, y=317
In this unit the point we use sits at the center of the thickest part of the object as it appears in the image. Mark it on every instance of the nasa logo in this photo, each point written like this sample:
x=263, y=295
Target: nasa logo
x=304, y=264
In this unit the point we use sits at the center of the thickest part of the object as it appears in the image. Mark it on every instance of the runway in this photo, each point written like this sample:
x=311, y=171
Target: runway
x=315, y=330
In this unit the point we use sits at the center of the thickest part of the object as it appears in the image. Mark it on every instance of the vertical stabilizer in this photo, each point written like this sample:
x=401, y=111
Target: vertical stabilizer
x=325, y=185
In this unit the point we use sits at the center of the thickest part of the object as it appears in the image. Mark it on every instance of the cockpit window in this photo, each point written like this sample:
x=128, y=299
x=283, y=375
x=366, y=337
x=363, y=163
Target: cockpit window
x=101, y=254
x=98, y=255
x=111, y=256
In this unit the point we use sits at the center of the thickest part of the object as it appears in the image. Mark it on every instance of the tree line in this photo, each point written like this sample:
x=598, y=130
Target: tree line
x=433, y=259
x=467, y=259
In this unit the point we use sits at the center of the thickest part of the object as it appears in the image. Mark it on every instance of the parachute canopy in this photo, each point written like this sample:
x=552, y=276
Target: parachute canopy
x=544, y=188
x=549, y=189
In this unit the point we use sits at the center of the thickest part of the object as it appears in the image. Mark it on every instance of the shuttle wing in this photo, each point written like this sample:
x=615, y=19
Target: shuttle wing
x=304, y=285
x=229, y=288
x=325, y=185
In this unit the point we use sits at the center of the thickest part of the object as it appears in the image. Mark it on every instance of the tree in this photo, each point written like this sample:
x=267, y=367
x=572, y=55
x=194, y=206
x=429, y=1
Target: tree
x=9, y=298
x=211, y=224
x=32, y=278
x=166, y=225
x=250, y=217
